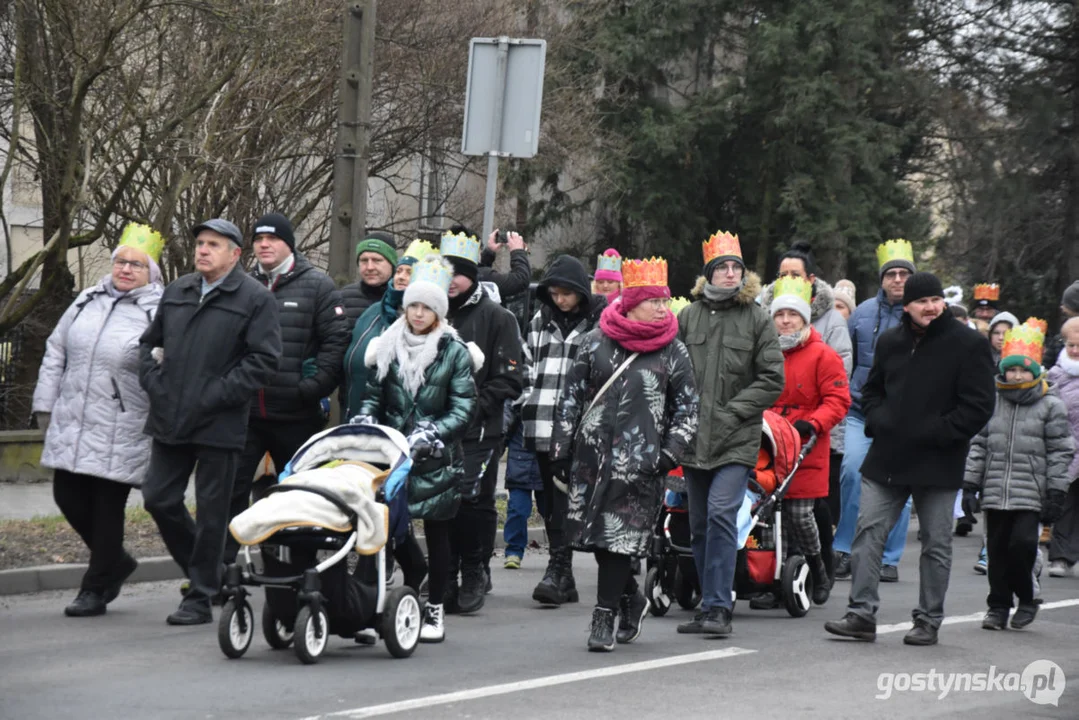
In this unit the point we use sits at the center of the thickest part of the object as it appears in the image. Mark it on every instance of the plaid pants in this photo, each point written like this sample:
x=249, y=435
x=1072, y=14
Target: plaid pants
x=800, y=527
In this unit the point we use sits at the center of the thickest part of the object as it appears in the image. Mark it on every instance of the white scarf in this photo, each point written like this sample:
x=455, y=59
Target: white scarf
x=1067, y=364
x=412, y=353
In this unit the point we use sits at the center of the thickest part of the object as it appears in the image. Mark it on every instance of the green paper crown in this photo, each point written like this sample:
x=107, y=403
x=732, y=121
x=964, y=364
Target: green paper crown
x=898, y=249
x=679, y=304
x=789, y=285
x=419, y=249
x=461, y=246
x=433, y=269
x=143, y=238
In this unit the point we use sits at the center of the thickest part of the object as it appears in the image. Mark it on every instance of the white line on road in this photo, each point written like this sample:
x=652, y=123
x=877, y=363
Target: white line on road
x=542, y=682
x=973, y=617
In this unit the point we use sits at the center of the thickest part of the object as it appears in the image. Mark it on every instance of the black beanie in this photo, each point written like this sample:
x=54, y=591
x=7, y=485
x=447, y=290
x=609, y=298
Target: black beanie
x=275, y=224
x=462, y=266
x=922, y=285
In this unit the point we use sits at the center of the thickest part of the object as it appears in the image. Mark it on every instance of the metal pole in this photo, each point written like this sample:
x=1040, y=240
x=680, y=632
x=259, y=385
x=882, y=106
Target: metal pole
x=496, y=140
x=363, y=129
x=345, y=150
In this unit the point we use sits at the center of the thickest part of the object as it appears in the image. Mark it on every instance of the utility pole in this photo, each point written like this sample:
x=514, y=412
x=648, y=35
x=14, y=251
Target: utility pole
x=352, y=152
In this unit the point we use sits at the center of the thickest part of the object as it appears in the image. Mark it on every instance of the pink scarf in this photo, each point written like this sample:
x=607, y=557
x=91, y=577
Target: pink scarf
x=635, y=336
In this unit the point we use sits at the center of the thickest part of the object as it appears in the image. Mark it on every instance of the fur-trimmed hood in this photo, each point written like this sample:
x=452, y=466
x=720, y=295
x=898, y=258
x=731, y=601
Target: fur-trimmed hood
x=746, y=296
x=823, y=298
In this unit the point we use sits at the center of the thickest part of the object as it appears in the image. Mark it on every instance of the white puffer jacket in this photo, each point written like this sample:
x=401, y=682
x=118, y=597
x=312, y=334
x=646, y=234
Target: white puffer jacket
x=89, y=381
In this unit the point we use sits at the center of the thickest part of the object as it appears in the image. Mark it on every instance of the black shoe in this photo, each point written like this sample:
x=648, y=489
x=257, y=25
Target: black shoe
x=450, y=605
x=889, y=573
x=601, y=638
x=547, y=591
x=471, y=596
x=567, y=585
x=190, y=614
x=123, y=571
x=557, y=585
x=1024, y=615
x=633, y=611
x=853, y=626
x=716, y=622
x=842, y=566
x=86, y=604
x=995, y=619
x=822, y=585
x=921, y=634
x=764, y=601
x=693, y=627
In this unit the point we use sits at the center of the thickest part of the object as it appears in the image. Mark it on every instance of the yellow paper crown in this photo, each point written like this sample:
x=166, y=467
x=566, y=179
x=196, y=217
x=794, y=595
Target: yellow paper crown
x=898, y=249
x=644, y=273
x=987, y=291
x=789, y=285
x=1025, y=340
x=419, y=249
x=461, y=246
x=433, y=269
x=679, y=304
x=721, y=244
x=1038, y=323
x=144, y=238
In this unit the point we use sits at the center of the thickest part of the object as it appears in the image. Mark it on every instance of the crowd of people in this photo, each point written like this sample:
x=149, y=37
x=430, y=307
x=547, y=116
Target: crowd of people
x=610, y=388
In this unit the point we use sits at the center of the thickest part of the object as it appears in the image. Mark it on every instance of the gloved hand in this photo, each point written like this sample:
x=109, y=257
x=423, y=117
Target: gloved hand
x=665, y=465
x=42, y=419
x=309, y=368
x=425, y=442
x=971, y=504
x=1053, y=507
x=804, y=428
x=363, y=420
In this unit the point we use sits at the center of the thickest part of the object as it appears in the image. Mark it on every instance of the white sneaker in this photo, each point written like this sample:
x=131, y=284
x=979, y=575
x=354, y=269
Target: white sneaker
x=433, y=629
x=1059, y=568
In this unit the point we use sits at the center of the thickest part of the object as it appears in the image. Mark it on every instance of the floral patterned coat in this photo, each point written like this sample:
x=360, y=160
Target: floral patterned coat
x=651, y=408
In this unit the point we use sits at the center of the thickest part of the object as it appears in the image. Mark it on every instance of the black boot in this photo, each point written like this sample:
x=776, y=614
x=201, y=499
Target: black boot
x=86, y=604
x=549, y=589
x=566, y=584
x=473, y=583
x=602, y=637
x=822, y=586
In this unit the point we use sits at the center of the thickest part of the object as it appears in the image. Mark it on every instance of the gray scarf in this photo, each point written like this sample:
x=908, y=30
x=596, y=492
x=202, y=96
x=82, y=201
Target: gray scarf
x=718, y=294
x=793, y=340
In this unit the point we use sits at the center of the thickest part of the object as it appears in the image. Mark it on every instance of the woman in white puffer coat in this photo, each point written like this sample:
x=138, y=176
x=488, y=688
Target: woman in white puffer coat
x=89, y=402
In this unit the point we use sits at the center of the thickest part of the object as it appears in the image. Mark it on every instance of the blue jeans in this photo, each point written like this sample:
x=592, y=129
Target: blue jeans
x=518, y=510
x=714, y=499
x=850, y=496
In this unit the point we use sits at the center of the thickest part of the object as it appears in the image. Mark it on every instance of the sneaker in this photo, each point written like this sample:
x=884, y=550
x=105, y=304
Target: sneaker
x=981, y=566
x=123, y=571
x=470, y=597
x=921, y=634
x=433, y=629
x=1024, y=615
x=716, y=622
x=764, y=601
x=601, y=637
x=190, y=614
x=1060, y=568
x=513, y=562
x=633, y=611
x=86, y=604
x=693, y=627
x=995, y=619
x=842, y=566
x=853, y=626
x=889, y=573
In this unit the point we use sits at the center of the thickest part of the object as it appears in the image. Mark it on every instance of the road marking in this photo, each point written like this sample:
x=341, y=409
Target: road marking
x=541, y=682
x=973, y=617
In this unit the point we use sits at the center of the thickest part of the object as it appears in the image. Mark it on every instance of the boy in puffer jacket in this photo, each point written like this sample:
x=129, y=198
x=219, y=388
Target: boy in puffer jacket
x=1019, y=464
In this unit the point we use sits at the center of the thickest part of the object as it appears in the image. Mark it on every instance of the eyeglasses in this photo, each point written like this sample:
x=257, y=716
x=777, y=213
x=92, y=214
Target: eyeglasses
x=730, y=268
x=658, y=303
x=133, y=264
x=897, y=275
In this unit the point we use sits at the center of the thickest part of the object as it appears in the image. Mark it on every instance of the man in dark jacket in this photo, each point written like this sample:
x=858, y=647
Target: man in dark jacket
x=481, y=321
x=510, y=284
x=314, y=335
x=931, y=389
x=376, y=258
x=214, y=342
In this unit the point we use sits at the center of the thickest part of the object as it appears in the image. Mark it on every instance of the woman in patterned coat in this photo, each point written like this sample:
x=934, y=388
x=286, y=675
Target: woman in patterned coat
x=625, y=418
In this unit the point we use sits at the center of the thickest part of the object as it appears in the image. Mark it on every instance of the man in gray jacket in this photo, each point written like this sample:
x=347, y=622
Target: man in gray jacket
x=214, y=342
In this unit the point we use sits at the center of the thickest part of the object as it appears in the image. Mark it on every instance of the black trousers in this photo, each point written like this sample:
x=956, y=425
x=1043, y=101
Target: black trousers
x=835, y=462
x=197, y=545
x=473, y=529
x=615, y=578
x=437, y=535
x=823, y=517
x=279, y=438
x=94, y=507
x=555, y=505
x=1064, y=541
x=1011, y=541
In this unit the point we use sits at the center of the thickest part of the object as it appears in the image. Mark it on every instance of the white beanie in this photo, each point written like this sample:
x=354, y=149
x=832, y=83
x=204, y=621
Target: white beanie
x=430, y=285
x=791, y=302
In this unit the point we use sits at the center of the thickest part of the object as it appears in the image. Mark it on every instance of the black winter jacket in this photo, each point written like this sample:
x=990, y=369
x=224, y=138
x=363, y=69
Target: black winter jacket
x=313, y=325
x=924, y=401
x=358, y=297
x=510, y=284
x=493, y=329
x=218, y=351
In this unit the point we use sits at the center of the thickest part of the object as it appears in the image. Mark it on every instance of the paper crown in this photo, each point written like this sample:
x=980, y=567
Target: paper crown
x=644, y=273
x=419, y=249
x=1026, y=341
x=679, y=304
x=721, y=244
x=144, y=238
x=898, y=249
x=433, y=269
x=987, y=291
x=1039, y=324
x=796, y=286
x=460, y=246
x=609, y=263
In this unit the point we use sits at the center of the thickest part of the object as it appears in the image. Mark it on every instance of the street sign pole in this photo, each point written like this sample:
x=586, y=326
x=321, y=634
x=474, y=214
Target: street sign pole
x=496, y=139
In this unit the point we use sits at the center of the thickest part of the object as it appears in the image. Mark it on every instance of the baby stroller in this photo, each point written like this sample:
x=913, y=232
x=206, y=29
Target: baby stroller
x=671, y=571
x=345, y=500
x=761, y=566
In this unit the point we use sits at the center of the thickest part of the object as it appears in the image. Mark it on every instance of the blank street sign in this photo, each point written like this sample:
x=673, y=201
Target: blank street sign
x=520, y=105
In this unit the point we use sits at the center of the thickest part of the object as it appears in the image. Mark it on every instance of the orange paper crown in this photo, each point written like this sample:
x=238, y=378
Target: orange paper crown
x=644, y=273
x=721, y=244
x=1038, y=323
x=987, y=291
x=1026, y=341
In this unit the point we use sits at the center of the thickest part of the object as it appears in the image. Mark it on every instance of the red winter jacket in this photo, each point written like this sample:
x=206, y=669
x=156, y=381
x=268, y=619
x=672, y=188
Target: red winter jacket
x=815, y=390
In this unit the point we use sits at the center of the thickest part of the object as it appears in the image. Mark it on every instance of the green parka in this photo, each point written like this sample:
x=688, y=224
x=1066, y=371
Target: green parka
x=447, y=399
x=739, y=371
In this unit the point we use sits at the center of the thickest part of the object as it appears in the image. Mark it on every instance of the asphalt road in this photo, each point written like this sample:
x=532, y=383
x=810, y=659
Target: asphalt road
x=518, y=661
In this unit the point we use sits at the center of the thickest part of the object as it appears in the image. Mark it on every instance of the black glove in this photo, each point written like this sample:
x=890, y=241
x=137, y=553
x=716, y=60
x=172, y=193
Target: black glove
x=971, y=504
x=804, y=428
x=666, y=464
x=424, y=441
x=1053, y=507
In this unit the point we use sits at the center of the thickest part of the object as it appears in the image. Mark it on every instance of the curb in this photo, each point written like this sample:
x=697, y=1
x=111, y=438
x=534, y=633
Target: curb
x=155, y=569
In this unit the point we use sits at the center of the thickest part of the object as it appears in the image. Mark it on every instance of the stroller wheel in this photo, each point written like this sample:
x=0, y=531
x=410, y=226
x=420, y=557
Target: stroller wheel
x=659, y=603
x=400, y=624
x=311, y=634
x=277, y=635
x=686, y=591
x=235, y=628
x=797, y=586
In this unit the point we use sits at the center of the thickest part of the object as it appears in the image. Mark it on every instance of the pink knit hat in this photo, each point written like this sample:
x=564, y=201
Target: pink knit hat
x=609, y=266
